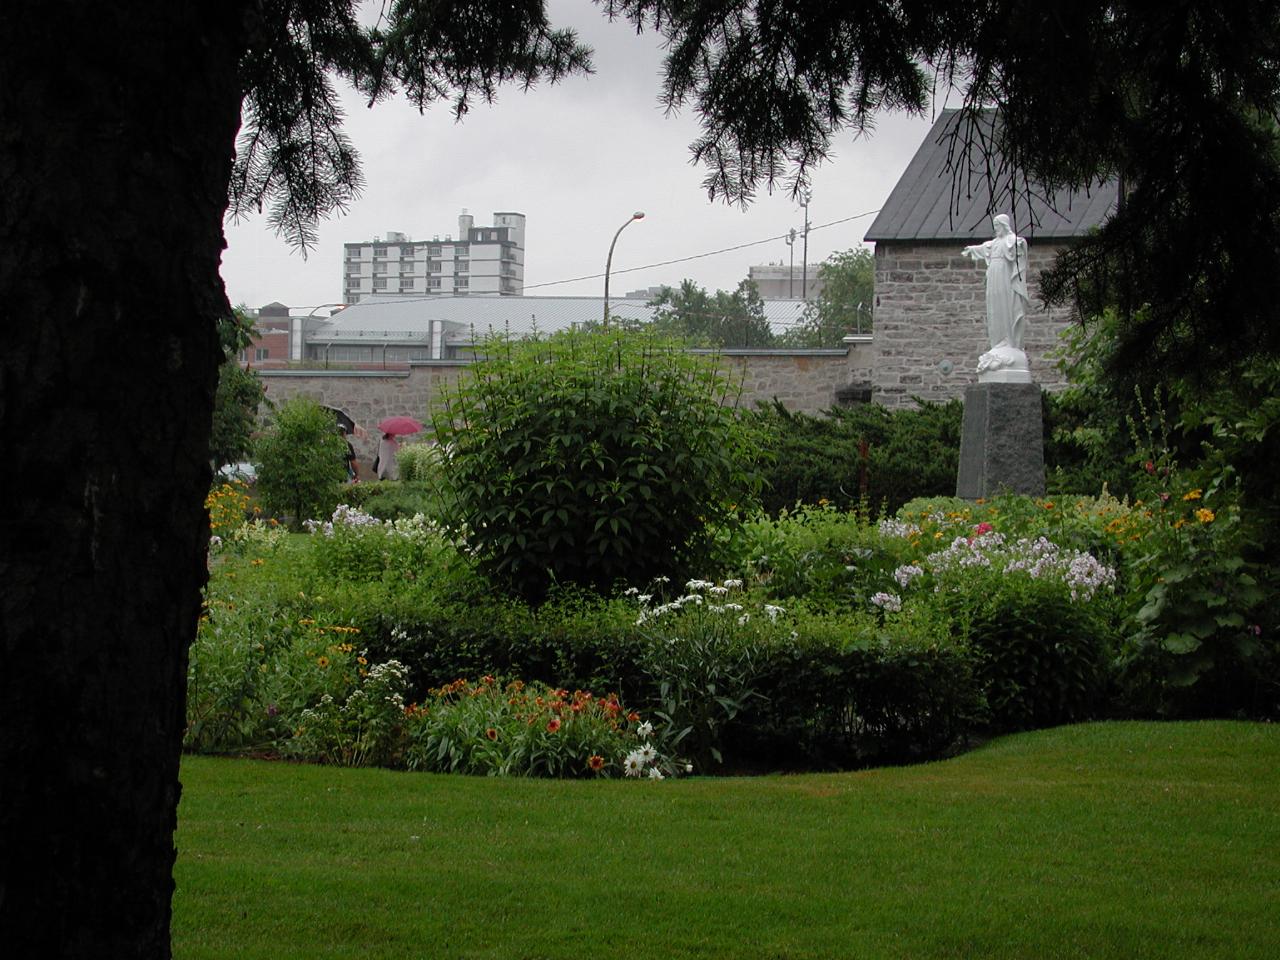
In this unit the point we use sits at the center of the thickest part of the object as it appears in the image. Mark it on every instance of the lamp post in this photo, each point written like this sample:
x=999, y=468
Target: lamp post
x=298, y=332
x=608, y=264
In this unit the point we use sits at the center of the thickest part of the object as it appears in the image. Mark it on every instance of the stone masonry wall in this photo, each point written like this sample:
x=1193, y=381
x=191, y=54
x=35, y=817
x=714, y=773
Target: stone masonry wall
x=930, y=307
x=805, y=382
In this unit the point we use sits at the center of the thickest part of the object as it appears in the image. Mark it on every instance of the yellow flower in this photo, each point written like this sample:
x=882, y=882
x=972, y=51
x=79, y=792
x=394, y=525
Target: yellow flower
x=1181, y=521
x=322, y=661
x=1204, y=516
x=1192, y=494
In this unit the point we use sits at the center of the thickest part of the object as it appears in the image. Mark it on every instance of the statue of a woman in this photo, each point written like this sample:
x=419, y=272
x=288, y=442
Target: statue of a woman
x=1006, y=258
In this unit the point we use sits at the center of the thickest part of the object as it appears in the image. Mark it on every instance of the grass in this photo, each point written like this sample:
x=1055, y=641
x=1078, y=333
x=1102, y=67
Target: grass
x=1122, y=840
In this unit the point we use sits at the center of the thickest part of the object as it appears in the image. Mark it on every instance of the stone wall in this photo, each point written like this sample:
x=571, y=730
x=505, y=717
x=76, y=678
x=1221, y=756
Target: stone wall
x=807, y=381
x=930, y=307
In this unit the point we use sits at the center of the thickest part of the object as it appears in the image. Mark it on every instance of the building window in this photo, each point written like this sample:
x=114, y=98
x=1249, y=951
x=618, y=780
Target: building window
x=379, y=283
x=433, y=266
x=261, y=353
x=379, y=268
x=461, y=282
x=433, y=250
x=462, y=266
x=434, y=283
x=379, y=251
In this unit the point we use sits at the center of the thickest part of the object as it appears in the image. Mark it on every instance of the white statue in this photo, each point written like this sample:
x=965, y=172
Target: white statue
x=1006, y=258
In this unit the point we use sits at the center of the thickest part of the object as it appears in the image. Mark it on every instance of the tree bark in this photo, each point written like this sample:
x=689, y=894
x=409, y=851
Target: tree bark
x=117, y=126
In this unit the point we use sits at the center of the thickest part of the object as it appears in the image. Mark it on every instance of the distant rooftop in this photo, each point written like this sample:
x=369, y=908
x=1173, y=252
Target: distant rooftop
x=406, y=317
x=932, y=202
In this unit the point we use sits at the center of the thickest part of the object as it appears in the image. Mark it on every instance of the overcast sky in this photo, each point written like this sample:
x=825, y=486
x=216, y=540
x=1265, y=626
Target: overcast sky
x=577, y=159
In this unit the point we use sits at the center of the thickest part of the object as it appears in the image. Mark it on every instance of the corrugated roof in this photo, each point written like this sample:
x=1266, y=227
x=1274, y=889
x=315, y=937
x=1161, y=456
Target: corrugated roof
x=391, y=317
x=933, y=202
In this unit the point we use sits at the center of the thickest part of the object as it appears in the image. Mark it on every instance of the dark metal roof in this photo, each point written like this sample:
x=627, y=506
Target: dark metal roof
x=933, y=202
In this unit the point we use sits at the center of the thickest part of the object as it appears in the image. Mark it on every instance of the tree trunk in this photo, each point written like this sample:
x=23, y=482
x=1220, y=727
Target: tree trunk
x=117, y=124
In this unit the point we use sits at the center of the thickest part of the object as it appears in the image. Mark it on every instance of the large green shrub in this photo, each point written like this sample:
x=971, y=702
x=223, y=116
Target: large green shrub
x=301, y=462
x=858, y=454
x=592, y=458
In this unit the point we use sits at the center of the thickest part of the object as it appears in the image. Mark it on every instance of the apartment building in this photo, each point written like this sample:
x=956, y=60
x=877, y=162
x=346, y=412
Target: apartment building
x=485, y=260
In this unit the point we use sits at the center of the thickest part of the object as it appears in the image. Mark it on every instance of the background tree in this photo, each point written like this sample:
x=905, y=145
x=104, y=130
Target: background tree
x=239, y=394
x=843, y=305
x=719, y=319
x=117, y=163
x=302, y=460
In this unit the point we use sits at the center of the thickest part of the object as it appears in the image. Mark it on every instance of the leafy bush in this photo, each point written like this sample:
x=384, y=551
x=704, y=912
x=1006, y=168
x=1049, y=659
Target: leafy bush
x=418, y=462
x=590, y=458
x=856, y=689
x=259, y=659
x=355, y=546
x=827, y=556
x=858, y=455
x=301, y=462
x=397, y=499
x=365, y=729
x=1202, y=641
x=1038, y=619
x=699, y=663
x=520, y=729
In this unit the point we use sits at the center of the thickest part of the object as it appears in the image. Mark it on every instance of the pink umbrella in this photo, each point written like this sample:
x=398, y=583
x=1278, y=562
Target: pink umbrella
x=398, y=426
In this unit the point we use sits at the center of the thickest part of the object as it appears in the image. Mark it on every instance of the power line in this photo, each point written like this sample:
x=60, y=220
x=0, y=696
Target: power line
x=699, y=256
x=386, y=301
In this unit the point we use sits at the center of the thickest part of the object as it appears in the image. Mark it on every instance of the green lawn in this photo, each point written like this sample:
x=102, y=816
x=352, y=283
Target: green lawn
x=1122, y=840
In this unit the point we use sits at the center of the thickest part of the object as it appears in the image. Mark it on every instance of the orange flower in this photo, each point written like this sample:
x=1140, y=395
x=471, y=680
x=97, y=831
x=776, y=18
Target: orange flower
x=1204, y=515
x=323, y=661
x=596, y=763
x=491, y=733
x=553, y=725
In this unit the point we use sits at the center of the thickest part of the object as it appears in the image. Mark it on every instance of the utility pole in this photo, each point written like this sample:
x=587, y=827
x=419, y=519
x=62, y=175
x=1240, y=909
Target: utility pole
x=791, y=270
x=805, y=197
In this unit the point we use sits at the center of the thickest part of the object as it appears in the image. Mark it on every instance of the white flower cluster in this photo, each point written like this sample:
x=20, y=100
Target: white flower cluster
x=1041, y=558
x=692, y=598
x=887, y=601
x=353, y=518
x=906, y=573
x=897, y=528
x=640, y=760
x=1081, y=572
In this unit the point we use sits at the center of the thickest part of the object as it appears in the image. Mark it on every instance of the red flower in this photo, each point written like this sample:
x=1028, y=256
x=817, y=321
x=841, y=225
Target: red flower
x=982, y=528
x=553, y=725
x=1149, y=467
x=596, y=763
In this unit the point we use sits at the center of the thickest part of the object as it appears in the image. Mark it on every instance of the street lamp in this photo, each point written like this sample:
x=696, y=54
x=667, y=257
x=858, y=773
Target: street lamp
x=608, y=264
x=298, y=331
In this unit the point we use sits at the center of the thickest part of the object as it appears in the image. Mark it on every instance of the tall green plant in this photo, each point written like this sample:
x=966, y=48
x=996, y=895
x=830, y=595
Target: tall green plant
x=590, y=458
x=301, y=462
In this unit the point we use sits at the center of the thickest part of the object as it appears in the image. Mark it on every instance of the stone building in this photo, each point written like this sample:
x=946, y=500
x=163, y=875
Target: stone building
x=929, y=311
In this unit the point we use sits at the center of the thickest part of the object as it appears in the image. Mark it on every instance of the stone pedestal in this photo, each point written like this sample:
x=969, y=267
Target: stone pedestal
x=1002, y=441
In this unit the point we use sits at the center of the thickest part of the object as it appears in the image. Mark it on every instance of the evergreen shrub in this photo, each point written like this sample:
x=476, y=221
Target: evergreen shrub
x=864, y=454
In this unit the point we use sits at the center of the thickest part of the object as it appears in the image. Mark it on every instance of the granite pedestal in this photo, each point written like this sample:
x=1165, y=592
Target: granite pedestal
x=1002, y=441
